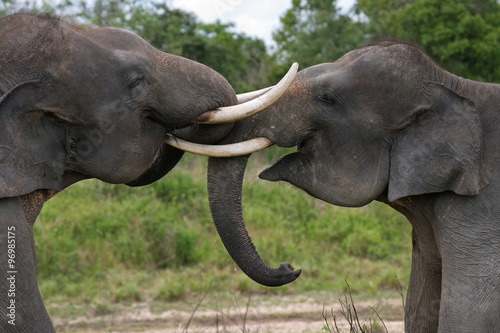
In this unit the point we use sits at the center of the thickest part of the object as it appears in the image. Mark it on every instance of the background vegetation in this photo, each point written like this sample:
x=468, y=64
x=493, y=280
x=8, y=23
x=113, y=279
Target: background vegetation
x=97, y=241
x=101, y=243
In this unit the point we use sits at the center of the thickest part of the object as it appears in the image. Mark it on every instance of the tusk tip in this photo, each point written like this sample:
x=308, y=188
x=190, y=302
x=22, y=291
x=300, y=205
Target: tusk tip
x=229, y=114
x=206, y=117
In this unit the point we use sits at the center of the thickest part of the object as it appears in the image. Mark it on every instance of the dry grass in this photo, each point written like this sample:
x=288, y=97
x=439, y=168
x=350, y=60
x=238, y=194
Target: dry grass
x=349, y=314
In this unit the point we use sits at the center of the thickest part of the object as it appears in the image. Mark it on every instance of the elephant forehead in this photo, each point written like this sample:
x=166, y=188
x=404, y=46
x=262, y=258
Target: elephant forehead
x=113, y=38
x=317, y=77
x=353, y=55
x=300, y=87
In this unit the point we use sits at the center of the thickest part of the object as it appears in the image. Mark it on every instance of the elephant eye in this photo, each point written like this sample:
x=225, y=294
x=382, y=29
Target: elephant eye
x=327, y=96
x=135, y=81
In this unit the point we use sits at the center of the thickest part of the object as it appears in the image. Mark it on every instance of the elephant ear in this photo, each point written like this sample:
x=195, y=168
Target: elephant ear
x=441, y=148
x=31, y=154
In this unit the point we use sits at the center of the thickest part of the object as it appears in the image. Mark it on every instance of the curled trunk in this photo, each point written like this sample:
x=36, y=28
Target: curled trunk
x=225, y=179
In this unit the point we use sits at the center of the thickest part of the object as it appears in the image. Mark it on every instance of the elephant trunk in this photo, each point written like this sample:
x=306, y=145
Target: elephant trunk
x=225, y=179
x=198, y=89
x=186, y=89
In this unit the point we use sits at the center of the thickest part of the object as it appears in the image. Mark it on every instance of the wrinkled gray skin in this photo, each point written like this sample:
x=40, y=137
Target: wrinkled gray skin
x=386, y=123
x=78, y=103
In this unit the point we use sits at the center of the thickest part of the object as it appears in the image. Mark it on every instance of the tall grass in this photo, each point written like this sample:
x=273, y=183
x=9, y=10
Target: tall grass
x=98, y=241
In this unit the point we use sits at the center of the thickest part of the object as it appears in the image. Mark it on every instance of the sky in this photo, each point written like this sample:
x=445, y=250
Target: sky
x=255, y=18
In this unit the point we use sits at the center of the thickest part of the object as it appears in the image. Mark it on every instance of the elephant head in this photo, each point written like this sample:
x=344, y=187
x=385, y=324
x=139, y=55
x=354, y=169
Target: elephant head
x=383, y=122
x=80, y=102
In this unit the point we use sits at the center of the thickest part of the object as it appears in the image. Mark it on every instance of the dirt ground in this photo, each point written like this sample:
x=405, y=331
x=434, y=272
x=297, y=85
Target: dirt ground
x=298, y=313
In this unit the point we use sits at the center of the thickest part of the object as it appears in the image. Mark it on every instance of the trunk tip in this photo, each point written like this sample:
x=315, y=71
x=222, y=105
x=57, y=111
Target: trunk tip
x=290, y=274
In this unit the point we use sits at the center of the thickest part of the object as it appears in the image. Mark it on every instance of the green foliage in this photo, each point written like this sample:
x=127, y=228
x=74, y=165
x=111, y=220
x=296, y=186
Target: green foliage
x=241, y=59
x=463, y=36
x=313, y=31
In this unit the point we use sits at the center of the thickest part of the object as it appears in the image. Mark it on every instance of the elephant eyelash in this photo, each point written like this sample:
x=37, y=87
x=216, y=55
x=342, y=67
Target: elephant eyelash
x=136, y=76
x=135, y=82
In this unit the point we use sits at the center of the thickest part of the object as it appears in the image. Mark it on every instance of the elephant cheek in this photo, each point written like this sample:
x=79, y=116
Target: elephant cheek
x=132, y=158
x=321, y=180
x=152, y=137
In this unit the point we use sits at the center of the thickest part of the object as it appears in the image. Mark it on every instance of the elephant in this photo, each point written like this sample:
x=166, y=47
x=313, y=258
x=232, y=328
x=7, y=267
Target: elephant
x=386, y=123
x=83, y=102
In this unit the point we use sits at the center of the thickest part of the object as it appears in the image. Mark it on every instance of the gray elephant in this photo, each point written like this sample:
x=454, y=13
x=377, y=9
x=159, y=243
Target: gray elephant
x=78, y=103
x=385, y=123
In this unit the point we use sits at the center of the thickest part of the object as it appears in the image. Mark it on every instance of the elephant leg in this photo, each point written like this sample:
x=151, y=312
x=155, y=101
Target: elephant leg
x=424, y=290
x=21, y=304
x=470, y=300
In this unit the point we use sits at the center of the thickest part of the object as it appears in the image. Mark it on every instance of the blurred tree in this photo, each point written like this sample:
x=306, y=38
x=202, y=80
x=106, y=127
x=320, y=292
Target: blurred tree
x=11, y=6
x=109, y=12
x=241, y=59
x=461, y=35
x=4, y=7
x=313, y=31
x=58, y=7
x=170, y=30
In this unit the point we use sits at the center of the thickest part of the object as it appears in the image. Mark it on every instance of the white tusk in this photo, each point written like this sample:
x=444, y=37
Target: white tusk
x=229, y=114
x=230, y=150
x=248, y=96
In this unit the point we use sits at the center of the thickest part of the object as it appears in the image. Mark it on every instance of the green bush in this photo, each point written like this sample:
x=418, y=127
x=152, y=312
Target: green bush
x=185, y=250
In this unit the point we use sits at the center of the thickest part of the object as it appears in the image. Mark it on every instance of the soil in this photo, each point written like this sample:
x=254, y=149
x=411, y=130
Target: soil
x=258, y=313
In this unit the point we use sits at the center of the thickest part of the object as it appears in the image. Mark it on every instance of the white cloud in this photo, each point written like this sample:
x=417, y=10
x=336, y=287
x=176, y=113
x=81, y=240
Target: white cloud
x=207, y=11
x=256, y=18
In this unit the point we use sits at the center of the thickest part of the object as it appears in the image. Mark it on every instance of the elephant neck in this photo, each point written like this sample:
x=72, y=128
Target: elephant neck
x=32, y=203
x=486, y=96
x=418, y=209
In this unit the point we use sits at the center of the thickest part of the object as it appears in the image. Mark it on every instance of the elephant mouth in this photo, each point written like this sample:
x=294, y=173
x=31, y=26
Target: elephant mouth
x=165, y=157
x=305, y=144
x=248, y=104
x=171, y=151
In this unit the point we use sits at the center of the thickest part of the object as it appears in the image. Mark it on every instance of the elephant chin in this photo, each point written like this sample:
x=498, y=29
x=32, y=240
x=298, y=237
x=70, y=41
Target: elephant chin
x=167, y=158
x=290, y=168
x=275, y=172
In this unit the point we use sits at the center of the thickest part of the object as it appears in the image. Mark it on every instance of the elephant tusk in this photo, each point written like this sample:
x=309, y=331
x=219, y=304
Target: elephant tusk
x=245, y=97
x=230, y=150
x=251, y=105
